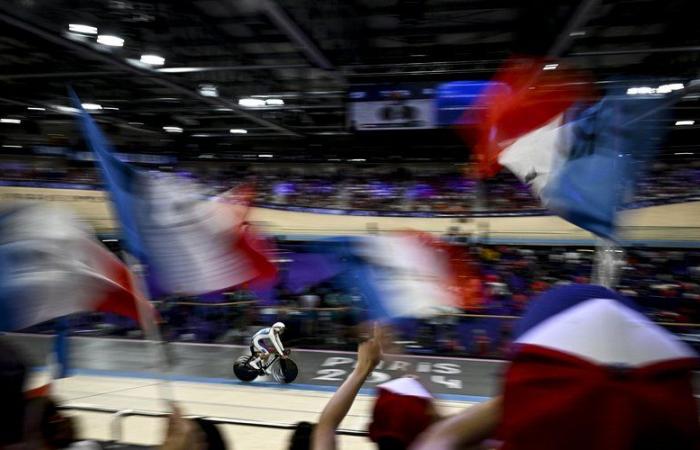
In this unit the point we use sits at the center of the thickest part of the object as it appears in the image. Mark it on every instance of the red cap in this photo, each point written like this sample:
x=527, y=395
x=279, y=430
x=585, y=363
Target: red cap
x=403, y=410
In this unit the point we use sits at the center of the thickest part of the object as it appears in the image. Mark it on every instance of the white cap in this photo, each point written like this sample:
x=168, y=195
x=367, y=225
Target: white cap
x=406, y=386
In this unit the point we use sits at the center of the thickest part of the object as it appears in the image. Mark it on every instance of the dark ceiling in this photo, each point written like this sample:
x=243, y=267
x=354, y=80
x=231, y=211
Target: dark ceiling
x=308, y=53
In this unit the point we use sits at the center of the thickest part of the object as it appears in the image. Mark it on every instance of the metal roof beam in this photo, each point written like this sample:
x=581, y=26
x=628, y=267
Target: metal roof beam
x=285, y=23
x=35, y=27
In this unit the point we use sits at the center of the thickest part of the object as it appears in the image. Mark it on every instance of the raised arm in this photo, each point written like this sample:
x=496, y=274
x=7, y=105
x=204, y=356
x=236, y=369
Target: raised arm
x=468, y=428
x=369, y=354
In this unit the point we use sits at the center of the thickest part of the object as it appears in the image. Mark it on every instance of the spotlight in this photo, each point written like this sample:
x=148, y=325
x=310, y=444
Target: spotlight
x=112, y=41
x=153, y=60
x=251, y=102
x=81, y=29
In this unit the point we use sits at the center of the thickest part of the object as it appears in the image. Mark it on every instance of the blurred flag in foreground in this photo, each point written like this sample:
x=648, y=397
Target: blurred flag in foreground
x=580, y=158
x=400, y=275
x=190, y=244
x=50, y=266
x=591, y=372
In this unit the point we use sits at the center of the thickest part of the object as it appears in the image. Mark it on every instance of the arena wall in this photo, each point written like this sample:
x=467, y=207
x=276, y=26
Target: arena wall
x=668, y=223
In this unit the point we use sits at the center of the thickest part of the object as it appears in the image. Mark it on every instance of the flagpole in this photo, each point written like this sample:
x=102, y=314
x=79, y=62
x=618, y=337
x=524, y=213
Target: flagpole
x=151, y=330
x=607, y=263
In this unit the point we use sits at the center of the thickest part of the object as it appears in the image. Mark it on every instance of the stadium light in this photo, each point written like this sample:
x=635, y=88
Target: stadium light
x=550, y=66
x=8, y=120
x=35, y=108
x=182, y=69
x=11, y=146
x=208, y=90
x=91, y=106
x=81, y=28
x=66, y=109
x=681, y=123
x=666, y=88
x=274, y=102
x=153, y=60
x=265, y=155
x=238, y=131
x=648, y=90
x=171, y=129
x=251, y=102
x=110, y=40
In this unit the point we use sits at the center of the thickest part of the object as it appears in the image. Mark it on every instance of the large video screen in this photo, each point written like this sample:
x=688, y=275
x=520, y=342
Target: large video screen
x=415, y=105
x=392, y=107
x=456, y=101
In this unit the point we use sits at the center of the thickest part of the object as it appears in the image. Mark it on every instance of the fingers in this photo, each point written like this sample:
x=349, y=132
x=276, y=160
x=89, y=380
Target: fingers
x=379, y=335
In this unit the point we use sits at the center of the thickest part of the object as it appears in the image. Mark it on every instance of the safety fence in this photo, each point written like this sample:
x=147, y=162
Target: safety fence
x=116, y=425
x=477, y=334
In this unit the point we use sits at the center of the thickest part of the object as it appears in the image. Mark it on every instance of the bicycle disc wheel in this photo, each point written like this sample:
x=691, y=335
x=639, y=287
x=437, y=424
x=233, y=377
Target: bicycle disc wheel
x=243, y=371
x=285, y=371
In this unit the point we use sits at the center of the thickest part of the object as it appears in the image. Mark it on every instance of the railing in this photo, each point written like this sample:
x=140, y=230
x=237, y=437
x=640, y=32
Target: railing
x=116, y=423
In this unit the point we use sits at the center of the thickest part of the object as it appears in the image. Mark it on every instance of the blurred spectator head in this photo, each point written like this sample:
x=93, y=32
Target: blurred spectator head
x=13, y=372
x=46, y=426
x=212, y=438
x=403, y=410
x=301, y=438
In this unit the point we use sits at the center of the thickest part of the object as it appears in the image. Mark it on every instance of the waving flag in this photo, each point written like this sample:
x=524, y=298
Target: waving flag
x=398, y=275
x=50, y=267
x=591, y=372
x=190, y=244
x=580, y=158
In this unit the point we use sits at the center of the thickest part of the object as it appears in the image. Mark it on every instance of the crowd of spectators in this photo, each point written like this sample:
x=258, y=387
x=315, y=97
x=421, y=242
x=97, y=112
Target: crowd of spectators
x=431, y=188
x=664, y=282
x=556, y=399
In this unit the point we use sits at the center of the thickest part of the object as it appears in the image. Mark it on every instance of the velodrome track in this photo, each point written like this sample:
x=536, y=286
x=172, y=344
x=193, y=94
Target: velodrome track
x=121, y=374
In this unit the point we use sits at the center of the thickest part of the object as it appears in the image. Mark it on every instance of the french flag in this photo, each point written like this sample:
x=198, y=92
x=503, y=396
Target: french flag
x=50, y=267
x=589, y=371
x=580, y=154
x=404, y=274
x=189, y=243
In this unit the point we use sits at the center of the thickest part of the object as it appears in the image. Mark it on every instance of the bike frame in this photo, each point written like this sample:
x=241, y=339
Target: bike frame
x=271, y=361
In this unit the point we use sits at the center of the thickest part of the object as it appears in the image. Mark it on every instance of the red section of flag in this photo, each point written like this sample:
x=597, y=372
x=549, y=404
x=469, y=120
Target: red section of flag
x=120, y=293
x=256, y=249
x=247, y=242
x=240, y=197
x=462, y=277
x=465, y=277
x=556, y=401
x=534, y=97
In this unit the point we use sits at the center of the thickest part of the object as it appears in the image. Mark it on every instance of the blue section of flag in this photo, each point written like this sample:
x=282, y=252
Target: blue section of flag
x=309, y=269
x=608, y=152
x=121, y=179
x=354, y=274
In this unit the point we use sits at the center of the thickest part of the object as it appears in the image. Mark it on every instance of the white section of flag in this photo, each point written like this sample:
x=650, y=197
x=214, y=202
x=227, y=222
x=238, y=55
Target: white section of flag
x=406, y=386
x=52, y=266
x=188, y=239
x=412, y=277
x=534, y=157
x=607, y=332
